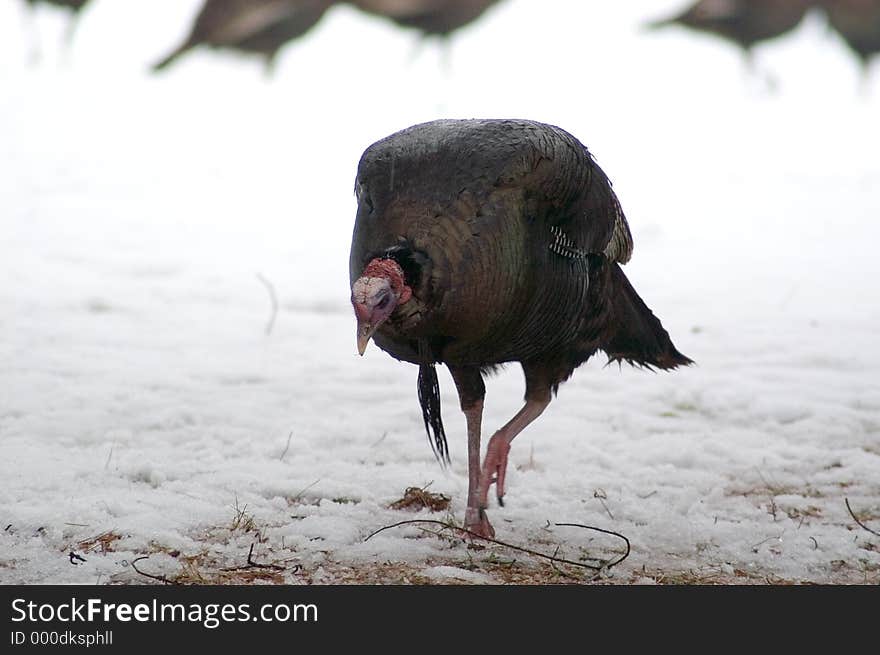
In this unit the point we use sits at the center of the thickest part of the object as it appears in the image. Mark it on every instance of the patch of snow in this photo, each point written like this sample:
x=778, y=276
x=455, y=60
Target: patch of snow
x=446, y=573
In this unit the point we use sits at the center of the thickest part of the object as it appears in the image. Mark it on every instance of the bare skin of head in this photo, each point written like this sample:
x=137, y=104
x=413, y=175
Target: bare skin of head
x=375, y=295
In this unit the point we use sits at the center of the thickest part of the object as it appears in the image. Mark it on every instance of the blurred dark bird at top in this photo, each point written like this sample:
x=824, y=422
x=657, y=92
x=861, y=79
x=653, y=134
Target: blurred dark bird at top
x=254, y=26
x=858, y=23
x=431, y=17
x=743, y=22
x=264, y=26
x=74, y=6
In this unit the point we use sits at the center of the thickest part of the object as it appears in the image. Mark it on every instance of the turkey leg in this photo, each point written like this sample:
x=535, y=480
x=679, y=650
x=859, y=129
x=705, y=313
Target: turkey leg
x=539, y=381
x=495, y=465
x=471, y=391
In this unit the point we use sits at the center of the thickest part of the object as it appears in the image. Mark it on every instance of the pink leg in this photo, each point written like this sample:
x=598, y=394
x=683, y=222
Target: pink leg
x=475, y=518
x=495, y=465
x=471, y=391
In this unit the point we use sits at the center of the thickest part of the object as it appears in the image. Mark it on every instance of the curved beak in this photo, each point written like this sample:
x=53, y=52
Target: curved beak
x=364, y=334
x=374, y=301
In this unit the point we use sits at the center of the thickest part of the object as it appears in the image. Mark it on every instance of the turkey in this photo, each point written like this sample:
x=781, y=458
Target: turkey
x=744, y=22
x=75, y=7
x=259, y=26
x=72, y=5
x=431, y=17
x=858, y=23
x=482, y=242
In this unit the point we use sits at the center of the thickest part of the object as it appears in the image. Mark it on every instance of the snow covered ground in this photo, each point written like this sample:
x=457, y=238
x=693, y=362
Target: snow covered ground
x=145, y=411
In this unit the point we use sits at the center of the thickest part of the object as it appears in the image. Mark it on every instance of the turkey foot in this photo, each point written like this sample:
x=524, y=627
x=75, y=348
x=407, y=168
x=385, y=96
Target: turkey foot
x=494, y=468
x=476, y=521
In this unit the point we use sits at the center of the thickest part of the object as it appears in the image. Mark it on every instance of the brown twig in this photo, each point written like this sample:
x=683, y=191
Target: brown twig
x=253, y=564
x=305, y=489
x=856, y=519
x=602, y=496
x=611, y=532
x=273, y=298
x=109, y=455
x=160, y=578
x=558, y=570
x=604, y=567
x=284, y=452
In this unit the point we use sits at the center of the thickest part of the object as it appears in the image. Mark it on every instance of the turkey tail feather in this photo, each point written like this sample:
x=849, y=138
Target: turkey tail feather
x=638, y=336
x=429, y=399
